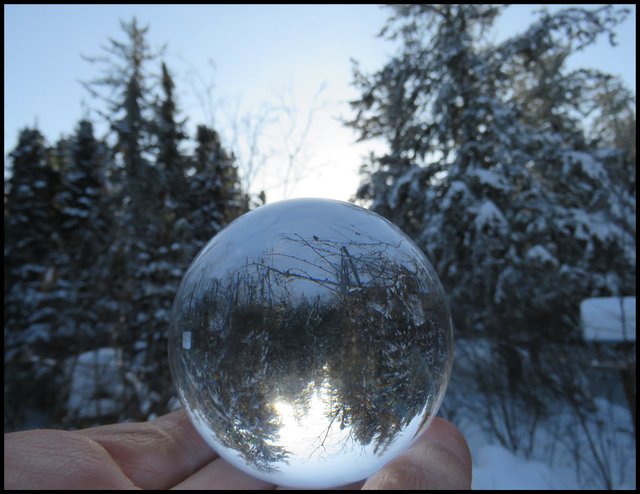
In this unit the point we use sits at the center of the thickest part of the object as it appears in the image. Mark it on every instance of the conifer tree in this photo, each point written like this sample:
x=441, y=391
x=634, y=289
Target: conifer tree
x=83, y=201
x=130, y=116
x=491, y=171
x=85, y=229
x=33, y=292
x=215, y=196
x=137, y=276
x=169, y=133
x=488, y=165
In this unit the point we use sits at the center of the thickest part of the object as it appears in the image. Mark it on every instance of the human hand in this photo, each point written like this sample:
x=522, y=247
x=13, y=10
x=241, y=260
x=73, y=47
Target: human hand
x=169, y=453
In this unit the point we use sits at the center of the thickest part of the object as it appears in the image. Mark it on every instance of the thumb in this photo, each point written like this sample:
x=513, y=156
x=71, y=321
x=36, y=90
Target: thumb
x=440, y=459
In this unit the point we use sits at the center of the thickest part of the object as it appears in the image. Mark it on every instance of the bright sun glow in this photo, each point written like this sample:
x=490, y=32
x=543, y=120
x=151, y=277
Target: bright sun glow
x=310, y=433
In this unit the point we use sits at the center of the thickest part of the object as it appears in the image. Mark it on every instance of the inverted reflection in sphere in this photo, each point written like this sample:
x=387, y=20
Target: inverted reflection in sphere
x=310, y=342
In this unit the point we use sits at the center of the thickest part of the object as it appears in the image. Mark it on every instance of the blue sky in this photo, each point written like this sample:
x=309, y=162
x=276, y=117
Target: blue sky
x=261, y=54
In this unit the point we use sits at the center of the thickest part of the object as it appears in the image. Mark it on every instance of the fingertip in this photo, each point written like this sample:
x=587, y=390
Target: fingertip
x=446, y=434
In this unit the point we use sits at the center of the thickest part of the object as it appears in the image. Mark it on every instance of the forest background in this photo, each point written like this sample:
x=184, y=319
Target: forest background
x=515, y=175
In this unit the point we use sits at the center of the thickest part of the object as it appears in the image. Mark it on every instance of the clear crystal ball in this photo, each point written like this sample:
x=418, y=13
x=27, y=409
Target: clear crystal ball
x=310, y=342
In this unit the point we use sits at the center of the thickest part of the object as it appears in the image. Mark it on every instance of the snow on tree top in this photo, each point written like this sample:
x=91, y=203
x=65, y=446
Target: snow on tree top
x=540, y=254
x=489, y=214
x=609, y=318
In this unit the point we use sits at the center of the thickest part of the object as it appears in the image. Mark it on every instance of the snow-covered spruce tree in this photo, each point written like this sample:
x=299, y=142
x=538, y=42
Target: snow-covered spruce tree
x=83, y=199
x=136, y=276
x=449, y=174
x=169, y=133
x=200, y=196
x=490, y=169
x=215, y=197
x=130, y=115
x=587, y=238
x=485, y=185
x=86, y=207
x=86, y=220
x=166, y=257
x=33, y=296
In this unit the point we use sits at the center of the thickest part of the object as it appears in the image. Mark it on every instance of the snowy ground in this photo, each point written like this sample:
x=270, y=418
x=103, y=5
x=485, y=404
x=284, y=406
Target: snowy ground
x=558, y=452
x=598, y=454
x=494, y=467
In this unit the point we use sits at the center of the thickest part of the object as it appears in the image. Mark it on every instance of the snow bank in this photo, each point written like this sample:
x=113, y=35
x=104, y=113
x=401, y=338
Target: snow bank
x=97, y=384
x=497, y=468
x=609, y=318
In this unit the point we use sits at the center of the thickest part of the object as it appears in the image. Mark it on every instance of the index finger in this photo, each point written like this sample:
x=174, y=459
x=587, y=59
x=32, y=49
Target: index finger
x=156, y=454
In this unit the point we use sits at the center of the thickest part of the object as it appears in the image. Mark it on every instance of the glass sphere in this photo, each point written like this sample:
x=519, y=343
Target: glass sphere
x=310, y=342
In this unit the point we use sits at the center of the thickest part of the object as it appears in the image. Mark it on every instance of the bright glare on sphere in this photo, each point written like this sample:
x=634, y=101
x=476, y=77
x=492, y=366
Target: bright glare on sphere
x=310, y=342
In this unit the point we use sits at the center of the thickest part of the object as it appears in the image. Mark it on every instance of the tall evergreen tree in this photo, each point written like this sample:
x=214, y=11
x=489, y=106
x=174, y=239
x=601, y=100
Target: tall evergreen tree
x=169, y=133
x=83, y=201
x=85, y=228
x=160, y=265
x=491, y=170
x=471, y=170
x=30, y=228
x=214, y=196
x=130, y=116
x=138, y=279
x=33, y=295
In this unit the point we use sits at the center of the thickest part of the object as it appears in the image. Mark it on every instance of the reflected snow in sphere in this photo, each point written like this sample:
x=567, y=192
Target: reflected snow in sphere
x=310, y=342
